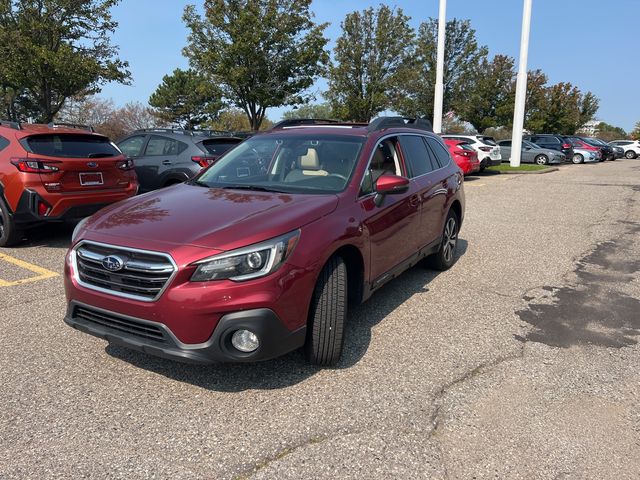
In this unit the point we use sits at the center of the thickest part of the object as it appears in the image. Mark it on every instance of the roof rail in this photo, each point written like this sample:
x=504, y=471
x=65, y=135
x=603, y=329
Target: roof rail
x=164, y=130
x=71, y=125
x=295, y=122
x=10, y=124
x=381, y=123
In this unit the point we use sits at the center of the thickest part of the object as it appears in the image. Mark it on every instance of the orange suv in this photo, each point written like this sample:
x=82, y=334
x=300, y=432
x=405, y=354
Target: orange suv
x=57, y=172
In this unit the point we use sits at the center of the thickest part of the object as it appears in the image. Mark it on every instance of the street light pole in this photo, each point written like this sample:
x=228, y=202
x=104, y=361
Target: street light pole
x=521, y=87
x=437, y=103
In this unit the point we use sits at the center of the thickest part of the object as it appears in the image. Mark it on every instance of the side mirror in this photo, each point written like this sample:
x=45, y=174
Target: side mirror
x=388, y=184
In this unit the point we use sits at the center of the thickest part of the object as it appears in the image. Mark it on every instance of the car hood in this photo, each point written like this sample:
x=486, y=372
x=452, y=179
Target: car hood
x=211, y=218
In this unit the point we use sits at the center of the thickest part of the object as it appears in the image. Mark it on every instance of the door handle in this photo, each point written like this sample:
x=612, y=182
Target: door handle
x=414, y=201
x=166, y=162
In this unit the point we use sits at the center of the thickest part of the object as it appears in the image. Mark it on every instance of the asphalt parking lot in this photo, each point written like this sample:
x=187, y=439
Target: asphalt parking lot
x=519, y=362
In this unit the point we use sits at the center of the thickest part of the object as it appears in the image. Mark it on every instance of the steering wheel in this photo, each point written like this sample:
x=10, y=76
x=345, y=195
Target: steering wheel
x=337, y=175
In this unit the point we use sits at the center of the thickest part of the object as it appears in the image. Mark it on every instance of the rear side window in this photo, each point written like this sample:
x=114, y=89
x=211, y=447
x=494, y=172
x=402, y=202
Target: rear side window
x=132, y=145
x=164, y=146
x=442, y=155
x=218, y=147
x=505, y=143
x=417, y=155
x=70, y=146
x=546, y=140
x=488, y=141
x=4, y=143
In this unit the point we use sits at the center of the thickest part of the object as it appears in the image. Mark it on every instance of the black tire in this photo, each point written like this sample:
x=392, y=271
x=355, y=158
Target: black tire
x=542, y=159
x=630, y=154
x=327, y=315
x=577, y=158
x=9, y=233
x=445, y=257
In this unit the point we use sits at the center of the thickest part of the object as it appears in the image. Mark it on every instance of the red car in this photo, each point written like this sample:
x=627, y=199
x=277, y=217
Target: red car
x=261, y=253
x=53, y=173
x=464, y=155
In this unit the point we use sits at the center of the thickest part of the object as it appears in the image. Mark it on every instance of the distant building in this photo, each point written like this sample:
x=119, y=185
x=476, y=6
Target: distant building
x=590, y=129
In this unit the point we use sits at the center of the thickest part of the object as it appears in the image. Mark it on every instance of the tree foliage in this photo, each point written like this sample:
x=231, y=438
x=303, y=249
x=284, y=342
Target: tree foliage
x=374, y=51
x=263, y=53
x=318, y=110
x=609, y=133
x=487, y=101
x=462, y=61
x=186, y=98
x=106, y=118
x=635, y=134
x=234, y=120
x=51, y=50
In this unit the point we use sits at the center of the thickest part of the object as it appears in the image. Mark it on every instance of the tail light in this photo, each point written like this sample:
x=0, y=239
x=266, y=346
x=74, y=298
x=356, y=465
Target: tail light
x=464, y=153
x=204, y=162
x=30, y=165
x=43, y=208
x=566, y=145
x=126, y=164
x=486, y=149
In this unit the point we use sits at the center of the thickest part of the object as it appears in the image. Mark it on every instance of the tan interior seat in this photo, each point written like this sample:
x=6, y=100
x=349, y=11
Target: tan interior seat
x=307, y=165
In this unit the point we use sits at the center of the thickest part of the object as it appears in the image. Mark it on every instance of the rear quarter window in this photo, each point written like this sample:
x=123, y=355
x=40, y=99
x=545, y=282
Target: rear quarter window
x=4, y=143
x=70, y=146
x=442, y=154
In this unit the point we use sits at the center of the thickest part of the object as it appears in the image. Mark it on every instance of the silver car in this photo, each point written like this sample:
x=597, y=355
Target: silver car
x=580, y=155
x=532, y=153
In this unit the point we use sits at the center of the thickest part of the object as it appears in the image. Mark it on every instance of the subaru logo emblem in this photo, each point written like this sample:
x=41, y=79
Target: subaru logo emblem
x=92, y=164
x=113, y=263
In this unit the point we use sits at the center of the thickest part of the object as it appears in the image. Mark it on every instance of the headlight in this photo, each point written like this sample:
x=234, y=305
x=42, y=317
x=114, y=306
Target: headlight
x=246, y=263
x=78, y=228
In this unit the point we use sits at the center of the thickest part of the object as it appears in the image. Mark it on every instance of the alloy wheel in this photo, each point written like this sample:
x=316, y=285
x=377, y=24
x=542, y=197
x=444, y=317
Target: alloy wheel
x=577, y=158
x=450, y=239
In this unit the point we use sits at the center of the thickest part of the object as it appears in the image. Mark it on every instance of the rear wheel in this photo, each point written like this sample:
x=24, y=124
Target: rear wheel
x=542, y=159
x=327, y=315
x=577, y=158
x=9, y=233
x=630, y=154
x=445, y=257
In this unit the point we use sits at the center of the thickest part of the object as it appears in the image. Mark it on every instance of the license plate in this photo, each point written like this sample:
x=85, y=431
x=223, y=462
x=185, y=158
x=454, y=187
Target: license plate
x=91, y=179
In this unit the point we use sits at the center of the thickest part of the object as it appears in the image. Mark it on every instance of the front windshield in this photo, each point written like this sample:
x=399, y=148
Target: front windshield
x=287, y=163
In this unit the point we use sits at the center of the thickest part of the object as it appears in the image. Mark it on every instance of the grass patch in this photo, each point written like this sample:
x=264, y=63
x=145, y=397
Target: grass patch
x=505, y=167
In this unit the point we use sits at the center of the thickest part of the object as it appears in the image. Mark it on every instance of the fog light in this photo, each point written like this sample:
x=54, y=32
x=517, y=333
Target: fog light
x=245, y=341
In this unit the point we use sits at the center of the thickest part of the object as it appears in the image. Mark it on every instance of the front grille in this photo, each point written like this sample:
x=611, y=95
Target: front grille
x=119, y=324
x=143, y=275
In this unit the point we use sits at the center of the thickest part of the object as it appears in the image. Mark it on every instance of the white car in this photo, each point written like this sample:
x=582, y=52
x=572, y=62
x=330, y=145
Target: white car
x=631, y=147
x=488, y=151
x=581, y=155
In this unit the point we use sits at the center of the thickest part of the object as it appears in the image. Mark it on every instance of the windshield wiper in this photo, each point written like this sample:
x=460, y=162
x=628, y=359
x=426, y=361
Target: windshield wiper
x=198, y=183
x=255, y=188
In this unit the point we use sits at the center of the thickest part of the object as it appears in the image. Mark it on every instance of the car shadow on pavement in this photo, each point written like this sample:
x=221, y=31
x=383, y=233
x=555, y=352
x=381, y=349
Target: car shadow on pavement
x=292, y=368
x=55, y=235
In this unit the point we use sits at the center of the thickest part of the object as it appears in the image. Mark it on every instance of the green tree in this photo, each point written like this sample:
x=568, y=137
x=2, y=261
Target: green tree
x=371, y=56
x=186, y=98
x=635, y=134
x=235, y=120
x=487, y=101
x=263, y=53
x=319, y=110
x=51, y=50
x=463, y=57
x=609, y=133
x=563, y=109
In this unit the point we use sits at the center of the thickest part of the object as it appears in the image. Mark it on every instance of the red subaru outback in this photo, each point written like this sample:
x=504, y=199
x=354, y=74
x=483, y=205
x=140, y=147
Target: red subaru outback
x=53, y=173
x=261, y=253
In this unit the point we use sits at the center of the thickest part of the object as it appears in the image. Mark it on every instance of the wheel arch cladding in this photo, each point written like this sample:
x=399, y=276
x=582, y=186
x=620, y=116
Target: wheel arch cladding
x=354, y=262
x=457, y=208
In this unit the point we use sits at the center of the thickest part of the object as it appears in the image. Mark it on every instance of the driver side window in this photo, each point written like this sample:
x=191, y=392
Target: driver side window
x=385, y=160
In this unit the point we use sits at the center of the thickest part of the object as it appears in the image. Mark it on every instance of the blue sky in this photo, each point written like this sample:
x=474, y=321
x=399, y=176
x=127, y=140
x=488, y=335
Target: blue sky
x=590, y=43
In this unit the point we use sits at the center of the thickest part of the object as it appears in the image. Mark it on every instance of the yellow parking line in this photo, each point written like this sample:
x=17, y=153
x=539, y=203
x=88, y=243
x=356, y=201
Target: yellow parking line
x=42, y=273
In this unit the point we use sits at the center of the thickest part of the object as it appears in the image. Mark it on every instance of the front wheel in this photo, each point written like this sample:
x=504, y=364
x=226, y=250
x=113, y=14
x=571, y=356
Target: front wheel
x=577, y=158
x=9, y=233
x=327, y=315
x=630, y=154
x=445, y=257
x=542, y=159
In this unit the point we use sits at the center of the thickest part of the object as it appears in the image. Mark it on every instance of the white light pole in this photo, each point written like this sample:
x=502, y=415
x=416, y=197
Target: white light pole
x=437, y=103
x=521, y=87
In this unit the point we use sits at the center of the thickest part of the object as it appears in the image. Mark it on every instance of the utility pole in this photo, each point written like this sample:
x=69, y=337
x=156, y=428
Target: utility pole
x=437, y=103
x=521, y=87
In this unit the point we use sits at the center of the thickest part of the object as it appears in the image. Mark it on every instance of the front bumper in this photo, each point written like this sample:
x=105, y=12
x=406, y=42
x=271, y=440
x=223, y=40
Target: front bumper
x=156, y=339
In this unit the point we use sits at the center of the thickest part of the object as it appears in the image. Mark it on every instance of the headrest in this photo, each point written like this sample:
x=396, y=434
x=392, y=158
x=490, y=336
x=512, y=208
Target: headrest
x=310, y=160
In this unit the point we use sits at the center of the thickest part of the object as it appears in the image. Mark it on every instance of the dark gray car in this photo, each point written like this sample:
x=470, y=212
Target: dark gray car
x=532, y=153
x=164, y=157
